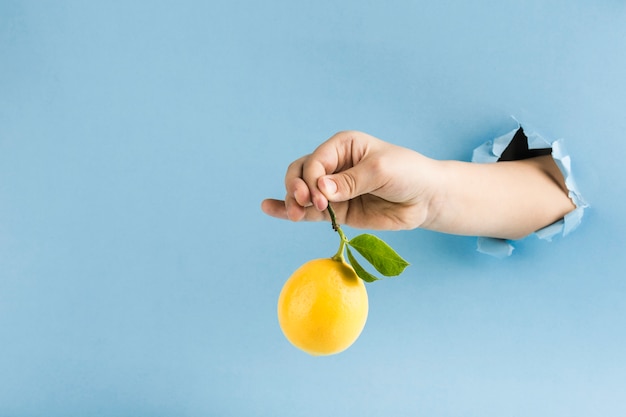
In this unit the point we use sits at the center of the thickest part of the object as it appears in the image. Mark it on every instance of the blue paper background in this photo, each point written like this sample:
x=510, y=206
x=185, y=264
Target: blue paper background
x=139, y=277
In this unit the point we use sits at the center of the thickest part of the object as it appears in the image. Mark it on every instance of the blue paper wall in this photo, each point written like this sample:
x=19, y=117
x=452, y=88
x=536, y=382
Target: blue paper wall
x=138, y=275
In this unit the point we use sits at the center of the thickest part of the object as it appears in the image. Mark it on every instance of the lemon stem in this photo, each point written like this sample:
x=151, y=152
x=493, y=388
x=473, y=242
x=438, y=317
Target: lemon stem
x=342, y=237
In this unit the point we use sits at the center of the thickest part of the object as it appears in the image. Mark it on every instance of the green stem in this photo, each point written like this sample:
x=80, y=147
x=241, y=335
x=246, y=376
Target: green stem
x=343, y=240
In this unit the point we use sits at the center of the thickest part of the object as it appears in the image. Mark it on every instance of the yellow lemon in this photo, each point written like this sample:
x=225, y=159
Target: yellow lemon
x=322, y=307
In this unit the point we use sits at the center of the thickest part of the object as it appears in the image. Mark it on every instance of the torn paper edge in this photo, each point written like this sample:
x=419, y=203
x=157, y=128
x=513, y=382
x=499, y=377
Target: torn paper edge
x=491, y=151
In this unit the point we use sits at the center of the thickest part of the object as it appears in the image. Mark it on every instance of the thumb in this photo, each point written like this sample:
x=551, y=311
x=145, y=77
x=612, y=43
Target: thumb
x=348, y=184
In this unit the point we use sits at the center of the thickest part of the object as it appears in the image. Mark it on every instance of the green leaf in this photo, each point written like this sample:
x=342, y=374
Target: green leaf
x=361, y=273
x=379, y=254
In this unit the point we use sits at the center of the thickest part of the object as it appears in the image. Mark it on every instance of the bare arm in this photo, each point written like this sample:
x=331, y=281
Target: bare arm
x=505, y=199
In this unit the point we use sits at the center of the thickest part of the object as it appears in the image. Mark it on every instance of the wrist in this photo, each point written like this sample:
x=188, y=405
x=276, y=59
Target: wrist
x=435, y=194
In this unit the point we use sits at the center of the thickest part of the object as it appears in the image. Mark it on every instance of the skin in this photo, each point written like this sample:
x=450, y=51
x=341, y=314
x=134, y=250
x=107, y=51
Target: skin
x=376, y=185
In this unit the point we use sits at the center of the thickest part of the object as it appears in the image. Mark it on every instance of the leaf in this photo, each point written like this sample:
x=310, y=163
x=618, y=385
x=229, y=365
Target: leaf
x=379, y=254
x=362, y=273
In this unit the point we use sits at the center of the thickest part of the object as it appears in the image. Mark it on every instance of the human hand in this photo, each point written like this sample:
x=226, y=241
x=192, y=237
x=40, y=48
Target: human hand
x=371, y=183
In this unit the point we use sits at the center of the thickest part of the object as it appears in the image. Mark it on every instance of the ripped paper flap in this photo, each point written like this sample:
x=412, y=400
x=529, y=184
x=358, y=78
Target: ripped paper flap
x=491, y=151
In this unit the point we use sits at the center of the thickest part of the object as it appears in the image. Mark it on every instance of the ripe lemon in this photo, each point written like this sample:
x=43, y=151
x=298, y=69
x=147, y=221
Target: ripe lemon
x=322, y=307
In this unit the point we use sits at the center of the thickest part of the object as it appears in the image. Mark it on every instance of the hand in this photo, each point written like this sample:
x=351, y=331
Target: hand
x=371, y=184
x=376, y=185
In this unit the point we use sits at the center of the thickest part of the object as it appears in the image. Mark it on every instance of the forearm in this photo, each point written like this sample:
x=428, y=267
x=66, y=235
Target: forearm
x=505, y=200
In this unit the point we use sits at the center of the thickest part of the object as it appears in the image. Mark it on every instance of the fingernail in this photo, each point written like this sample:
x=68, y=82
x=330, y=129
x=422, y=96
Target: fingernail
x=329, y=186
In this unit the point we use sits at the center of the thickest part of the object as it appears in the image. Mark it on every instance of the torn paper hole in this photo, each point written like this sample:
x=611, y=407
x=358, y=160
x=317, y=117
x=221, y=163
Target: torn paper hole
x=517, y=145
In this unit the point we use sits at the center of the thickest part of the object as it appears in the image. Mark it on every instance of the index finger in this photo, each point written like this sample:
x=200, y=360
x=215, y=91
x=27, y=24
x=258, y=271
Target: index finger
x=330, y=157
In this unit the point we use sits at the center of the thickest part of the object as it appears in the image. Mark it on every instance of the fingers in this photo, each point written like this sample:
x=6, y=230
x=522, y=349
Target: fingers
x=341, y=151
x=301, y=182
x=278, y=209
x=298, y=193
x=361, y=179
x=274, y=208
x=306, y=193
x=297, y=189
x=318, y=164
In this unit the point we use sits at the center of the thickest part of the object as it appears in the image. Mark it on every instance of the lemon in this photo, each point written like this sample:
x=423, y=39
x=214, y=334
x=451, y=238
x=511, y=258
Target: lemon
x=322, y=308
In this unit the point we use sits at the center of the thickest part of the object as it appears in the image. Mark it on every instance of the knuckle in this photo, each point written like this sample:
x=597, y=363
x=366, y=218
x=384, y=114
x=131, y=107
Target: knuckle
x=377, y=166
x=296, y=165
x=350, y=184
